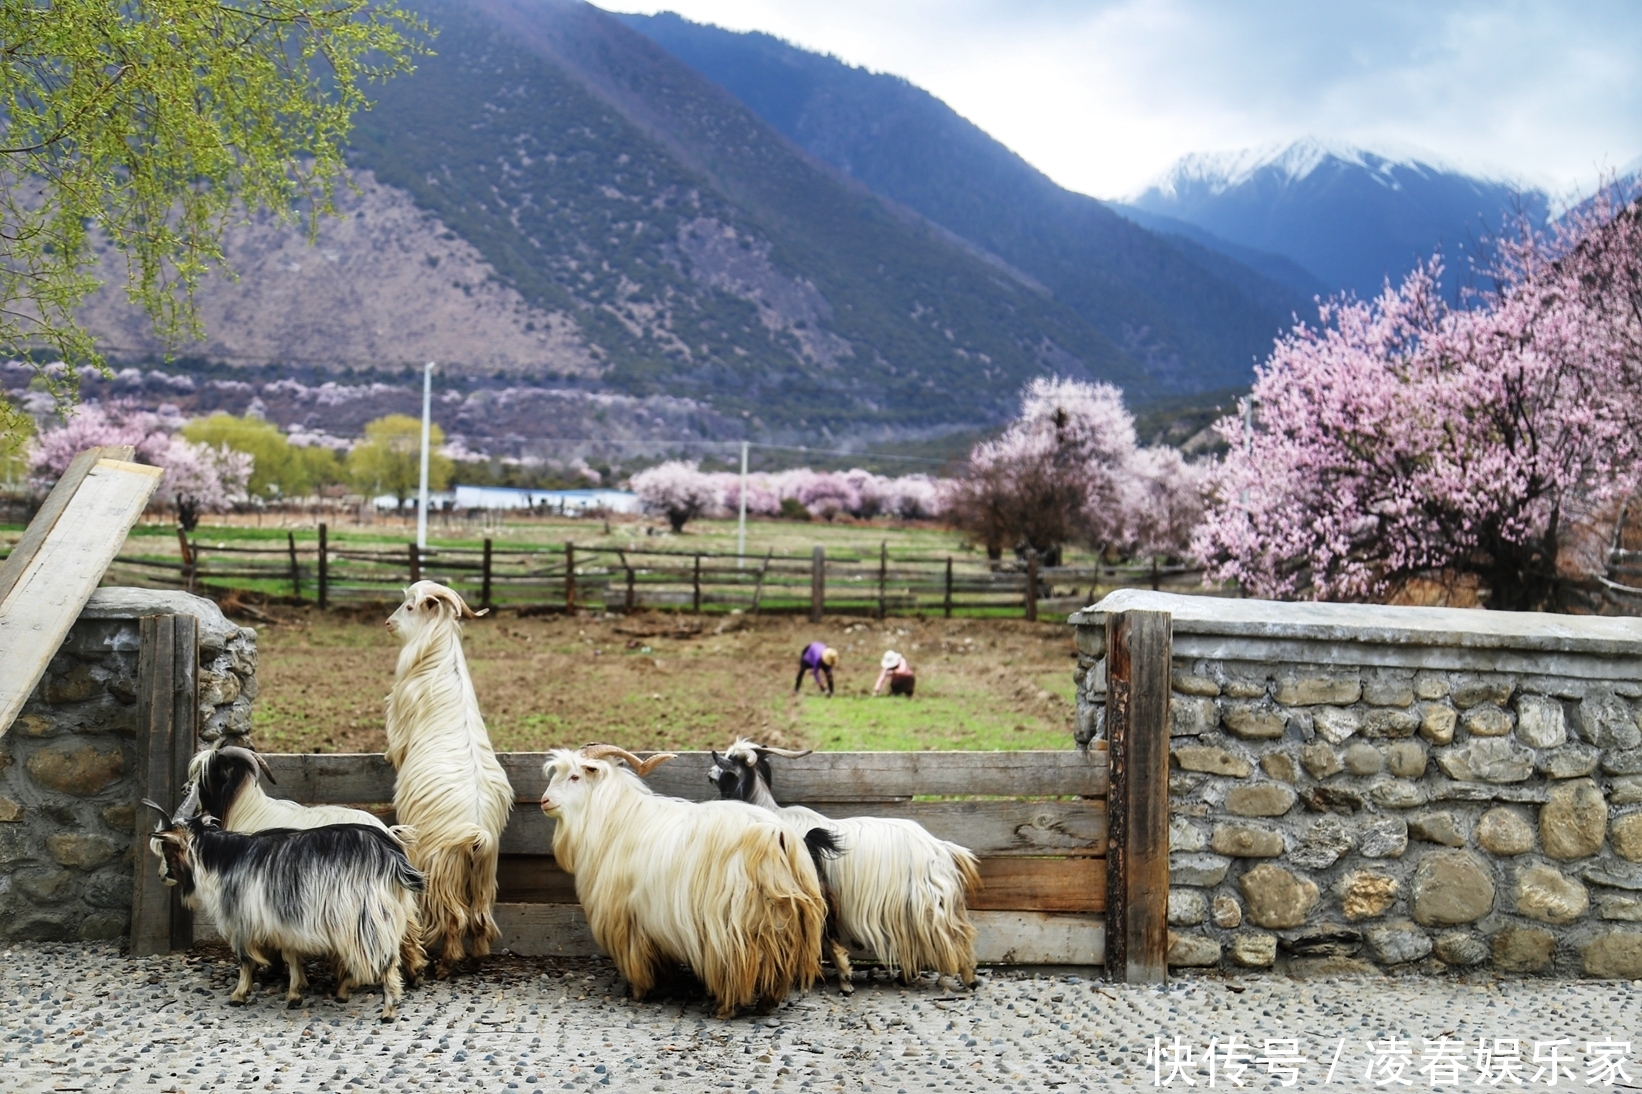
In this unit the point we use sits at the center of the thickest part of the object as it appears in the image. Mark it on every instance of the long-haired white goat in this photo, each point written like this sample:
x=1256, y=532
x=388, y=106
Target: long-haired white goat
x=721, y=886
x=450, y=789
x=897, y=891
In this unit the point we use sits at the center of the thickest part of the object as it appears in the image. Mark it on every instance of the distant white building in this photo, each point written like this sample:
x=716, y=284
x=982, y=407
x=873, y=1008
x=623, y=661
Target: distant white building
x=568, y=502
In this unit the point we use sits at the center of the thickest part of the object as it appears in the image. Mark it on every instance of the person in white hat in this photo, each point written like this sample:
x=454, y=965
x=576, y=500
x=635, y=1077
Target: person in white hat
x=897, y=672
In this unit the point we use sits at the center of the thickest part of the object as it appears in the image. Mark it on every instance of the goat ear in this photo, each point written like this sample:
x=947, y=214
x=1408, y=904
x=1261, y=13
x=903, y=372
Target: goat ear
x=431, y=604
x=591, y=769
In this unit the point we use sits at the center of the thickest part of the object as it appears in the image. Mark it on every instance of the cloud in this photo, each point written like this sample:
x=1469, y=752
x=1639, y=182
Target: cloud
x=1104, y=94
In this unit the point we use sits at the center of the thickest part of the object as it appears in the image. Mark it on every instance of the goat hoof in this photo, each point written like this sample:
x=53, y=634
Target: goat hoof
x=235, y=1002
x=846, y=988
x=294, y=1004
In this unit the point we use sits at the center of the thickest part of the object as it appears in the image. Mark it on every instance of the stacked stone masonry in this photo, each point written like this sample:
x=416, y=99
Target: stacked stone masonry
x=1358, y=788
x=68, y=794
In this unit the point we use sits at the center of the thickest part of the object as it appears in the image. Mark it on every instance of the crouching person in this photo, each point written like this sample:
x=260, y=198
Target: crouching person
x=897, y=673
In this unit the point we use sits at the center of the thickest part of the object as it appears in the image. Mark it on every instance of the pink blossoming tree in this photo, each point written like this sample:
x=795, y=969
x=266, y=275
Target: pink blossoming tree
x=1402, y=439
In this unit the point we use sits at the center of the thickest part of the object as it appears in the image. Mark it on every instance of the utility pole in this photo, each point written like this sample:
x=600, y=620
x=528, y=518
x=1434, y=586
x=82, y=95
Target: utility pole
x=741, y=528
x=422, y=493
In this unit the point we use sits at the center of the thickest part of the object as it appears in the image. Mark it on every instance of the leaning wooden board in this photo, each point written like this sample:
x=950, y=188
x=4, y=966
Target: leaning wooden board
x=47, y=579
x=1037, y=821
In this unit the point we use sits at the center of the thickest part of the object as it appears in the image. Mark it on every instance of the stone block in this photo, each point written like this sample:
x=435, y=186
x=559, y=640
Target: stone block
x=104, y=926
x=14, y=845
x=1276, y=898
x=1461, y=949
x=120, y=818
x=1389, y=722
x=1323, y=844
x=1503, y=831
x=86, y=852
x=81, y=770
x=1625, y=790
x=1451, y=888
x=1329, y=968
x=1613, y=875
x=1430, y=685
x=1183, y=784
x=1192, y=951
x=1569, y=761
x=45, y=886
x=1211, y=760
x=1384, y=690
x=1626, y=837
x=75, y=684
x=1382, y=837
x=1550, y=896
x=1541, y=722
x=1437, y=723
x=1486, y=720
x=1336, y=724
x=1187, y=908
x=1406, y=759
x=1523, y=949
x=1398, y=794
x=1306, y=689
x=1336, y=799
x=1189, y=683
x=1606, y=721
x=1616, y=955
x=1254, y=951
x=1238, y=687
x=1487, y=759
x=1443, y=828
x=1186, y=836
x=1246, y=841
x=1198, y=869
x=1225, y=912
x=1280, y=765
x=1363, y=759
x=10, y=812
x=1364, y=894
x=1615, y=906
x=1320, y=761
x=1260, y=800
x=1328, y=940
x=1190, y=716
x=1622, y=761
x=1573, y=822
x=1467, y=690
x=36, y=726
x=1253, y=723
x=1397, y=943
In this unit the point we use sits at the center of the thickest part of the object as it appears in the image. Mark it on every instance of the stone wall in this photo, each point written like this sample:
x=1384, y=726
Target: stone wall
x=68, y=798
x=1368, y=788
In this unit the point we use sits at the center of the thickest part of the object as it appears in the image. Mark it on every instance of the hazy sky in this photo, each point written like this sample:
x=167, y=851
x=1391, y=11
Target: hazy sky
x=1104, y=94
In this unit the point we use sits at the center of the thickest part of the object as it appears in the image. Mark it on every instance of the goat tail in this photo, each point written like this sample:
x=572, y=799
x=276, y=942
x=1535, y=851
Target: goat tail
x=482, y=858
x=790, y=883
x=823, y=844
x=404, y=835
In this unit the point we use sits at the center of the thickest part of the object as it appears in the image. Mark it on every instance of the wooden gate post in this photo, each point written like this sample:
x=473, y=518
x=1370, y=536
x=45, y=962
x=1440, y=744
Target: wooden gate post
x=1139, y=649
x=168, y=707
x=484, y=589
x=883, y=572
x=946, y=603
x=696, y=606
x=570, y=578
x=415, y=564
x=818, y=583
x=324, y=576
x=296, y=571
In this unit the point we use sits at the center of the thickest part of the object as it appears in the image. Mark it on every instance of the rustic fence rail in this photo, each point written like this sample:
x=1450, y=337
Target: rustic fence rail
x=570, y=576
x=1036, y=820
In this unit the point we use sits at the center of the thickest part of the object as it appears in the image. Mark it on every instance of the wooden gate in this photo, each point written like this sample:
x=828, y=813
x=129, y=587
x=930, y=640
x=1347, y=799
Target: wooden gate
x=1037, y=820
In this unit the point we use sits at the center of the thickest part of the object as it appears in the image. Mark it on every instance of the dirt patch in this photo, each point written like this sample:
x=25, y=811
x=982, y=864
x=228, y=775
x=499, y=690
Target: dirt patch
x=664, y=681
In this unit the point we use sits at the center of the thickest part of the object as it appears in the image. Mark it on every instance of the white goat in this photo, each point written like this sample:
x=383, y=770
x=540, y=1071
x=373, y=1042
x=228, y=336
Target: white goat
x=346, y=890
x=720, y=886
x=450, y=789
x=227, y=780
x=897, y=891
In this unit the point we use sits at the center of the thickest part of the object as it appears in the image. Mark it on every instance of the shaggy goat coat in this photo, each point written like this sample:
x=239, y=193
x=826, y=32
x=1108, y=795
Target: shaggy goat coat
x=346, y=890
x=227, y=783
x=898, y=892
x=720, y=886
x=450, y=788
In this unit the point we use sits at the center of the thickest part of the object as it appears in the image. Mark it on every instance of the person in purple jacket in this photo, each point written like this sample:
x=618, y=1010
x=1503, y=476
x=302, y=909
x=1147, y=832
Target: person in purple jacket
x=818, y=657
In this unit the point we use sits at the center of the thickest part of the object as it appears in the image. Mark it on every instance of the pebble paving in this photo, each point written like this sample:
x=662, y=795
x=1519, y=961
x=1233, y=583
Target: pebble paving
x=87, y=1018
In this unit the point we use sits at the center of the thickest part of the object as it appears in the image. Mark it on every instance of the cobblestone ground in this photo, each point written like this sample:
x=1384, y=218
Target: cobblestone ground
x=87, y=1018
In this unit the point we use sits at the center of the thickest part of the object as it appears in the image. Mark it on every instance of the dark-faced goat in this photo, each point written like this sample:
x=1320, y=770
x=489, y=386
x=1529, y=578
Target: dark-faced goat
x=343, y=890
x=896, y=891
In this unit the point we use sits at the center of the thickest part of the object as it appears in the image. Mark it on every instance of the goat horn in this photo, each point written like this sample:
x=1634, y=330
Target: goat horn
x=640, y=767
x=154, y=805
x=789, y=753
x=262, y=763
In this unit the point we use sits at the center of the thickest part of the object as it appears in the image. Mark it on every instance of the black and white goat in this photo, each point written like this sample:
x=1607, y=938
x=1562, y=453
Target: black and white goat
x=229, y=788
x=895, y=891
x=343, y=890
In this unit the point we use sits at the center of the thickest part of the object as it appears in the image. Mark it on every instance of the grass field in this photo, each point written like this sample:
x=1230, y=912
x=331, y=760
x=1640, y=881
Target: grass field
x=637, y=682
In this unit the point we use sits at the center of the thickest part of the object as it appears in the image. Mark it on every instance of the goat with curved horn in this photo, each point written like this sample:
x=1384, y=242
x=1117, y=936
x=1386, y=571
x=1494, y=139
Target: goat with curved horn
x=641, y=768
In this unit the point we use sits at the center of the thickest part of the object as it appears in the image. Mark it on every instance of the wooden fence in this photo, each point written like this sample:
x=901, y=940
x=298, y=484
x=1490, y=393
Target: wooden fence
x=573, y=576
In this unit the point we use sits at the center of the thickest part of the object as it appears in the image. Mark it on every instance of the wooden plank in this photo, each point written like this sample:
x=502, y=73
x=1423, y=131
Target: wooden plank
x=989, y=828
x=52, y=510
x=1139, y=648
x=1007, y=884
x=53, y=572
x=824, y=777
x=1001, y=938
x=167, y=716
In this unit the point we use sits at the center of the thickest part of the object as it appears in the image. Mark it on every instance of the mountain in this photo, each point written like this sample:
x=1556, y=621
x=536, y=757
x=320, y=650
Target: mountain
x=1348, y=216
x=1198, y=317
